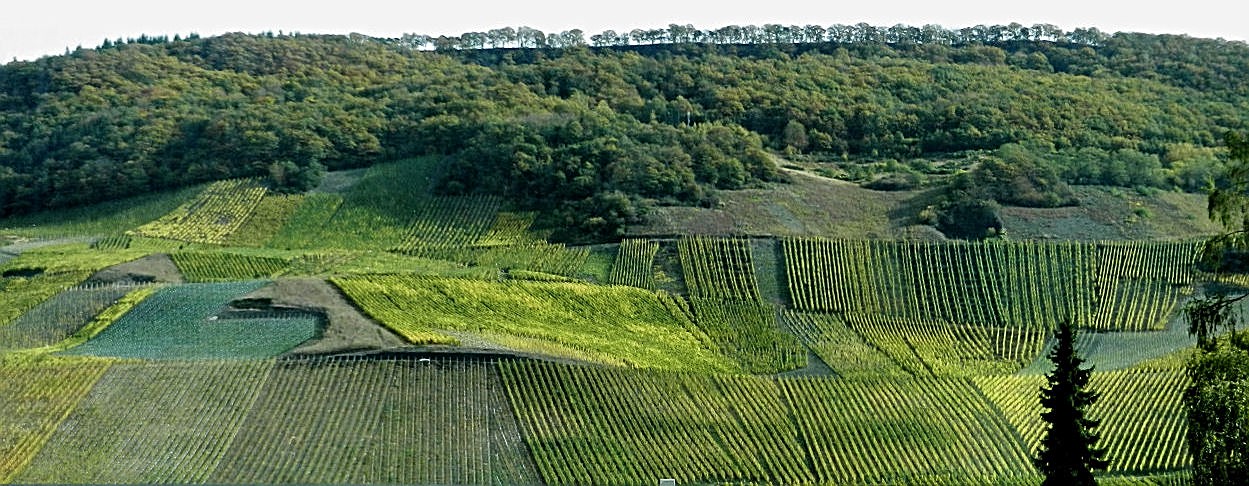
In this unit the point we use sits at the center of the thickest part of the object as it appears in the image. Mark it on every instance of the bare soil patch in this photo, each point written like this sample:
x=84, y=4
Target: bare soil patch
x=809, y=205
x=1114, y=214
x=346, y=328
x=339, y=181
x=157, y=267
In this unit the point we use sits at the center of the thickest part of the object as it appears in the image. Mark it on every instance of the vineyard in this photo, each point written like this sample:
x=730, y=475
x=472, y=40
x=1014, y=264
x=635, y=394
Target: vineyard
x=903, y=429
x=748, y=332
x=60, y=316
x=34, y=400
x=847, y=352
x=303, y=227
x=622, y=326
x=635, y=264
x=593, y=426
x=21, y=294
x=226, y=267
x=422, y=423
x=36, y=275
x=1025, y=284
x=741, y=360
x=212, y=216
x=1142, y=429
x=150, y=423
x=458, y=221
x=596, y=426
x=718, y=268
x=269, y=216
x=393, y=208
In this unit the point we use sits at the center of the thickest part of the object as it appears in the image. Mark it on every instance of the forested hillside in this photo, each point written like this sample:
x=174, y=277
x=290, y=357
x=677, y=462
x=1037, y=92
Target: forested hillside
x=590, y=134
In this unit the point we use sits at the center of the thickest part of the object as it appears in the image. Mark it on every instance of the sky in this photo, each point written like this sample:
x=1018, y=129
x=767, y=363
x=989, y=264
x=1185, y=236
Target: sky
x=31, y=29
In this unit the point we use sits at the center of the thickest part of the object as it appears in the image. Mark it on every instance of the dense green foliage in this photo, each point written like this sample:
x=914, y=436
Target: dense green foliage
x=1218, y=415
x=1217, y=401
x=587, y=135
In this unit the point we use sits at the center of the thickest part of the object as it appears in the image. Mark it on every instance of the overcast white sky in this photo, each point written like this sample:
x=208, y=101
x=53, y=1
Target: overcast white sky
x=30, y=29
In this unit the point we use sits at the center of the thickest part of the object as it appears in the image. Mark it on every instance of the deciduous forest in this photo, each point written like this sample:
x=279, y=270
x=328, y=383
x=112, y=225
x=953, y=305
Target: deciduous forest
x=592, y=133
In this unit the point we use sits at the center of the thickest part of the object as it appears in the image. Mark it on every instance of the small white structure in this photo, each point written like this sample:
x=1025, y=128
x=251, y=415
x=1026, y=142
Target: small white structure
x=667, y=482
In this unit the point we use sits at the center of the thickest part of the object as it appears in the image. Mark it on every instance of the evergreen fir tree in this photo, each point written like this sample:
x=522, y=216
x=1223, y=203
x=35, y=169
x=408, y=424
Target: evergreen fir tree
x=1068, y=454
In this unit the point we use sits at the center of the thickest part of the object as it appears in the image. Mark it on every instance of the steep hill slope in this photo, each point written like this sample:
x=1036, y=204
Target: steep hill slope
x=590, y=136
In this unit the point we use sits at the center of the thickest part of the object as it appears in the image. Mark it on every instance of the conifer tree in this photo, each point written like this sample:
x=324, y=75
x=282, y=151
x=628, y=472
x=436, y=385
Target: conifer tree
x=1068, y=454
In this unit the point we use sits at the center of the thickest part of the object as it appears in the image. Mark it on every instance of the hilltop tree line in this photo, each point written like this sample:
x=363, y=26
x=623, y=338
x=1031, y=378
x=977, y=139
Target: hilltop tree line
x=591, y=135
x=527, y=37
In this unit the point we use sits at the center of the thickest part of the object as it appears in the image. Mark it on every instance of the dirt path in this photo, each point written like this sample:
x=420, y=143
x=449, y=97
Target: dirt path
x=11, y=248
x=346, y=329
x=157, y=267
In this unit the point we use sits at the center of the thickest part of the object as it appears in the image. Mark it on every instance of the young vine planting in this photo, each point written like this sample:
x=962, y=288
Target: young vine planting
x=181, y=322
x=59, y=317
x=20, y=294
x=1005, y=284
